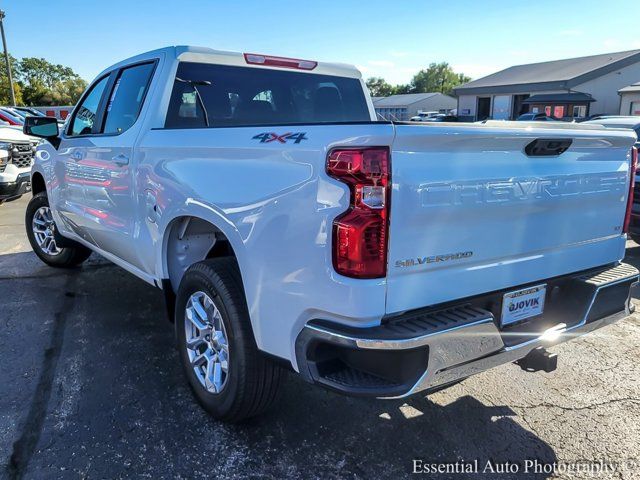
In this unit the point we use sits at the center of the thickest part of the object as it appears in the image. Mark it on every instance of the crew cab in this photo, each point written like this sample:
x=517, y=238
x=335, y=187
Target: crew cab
x=288, y=228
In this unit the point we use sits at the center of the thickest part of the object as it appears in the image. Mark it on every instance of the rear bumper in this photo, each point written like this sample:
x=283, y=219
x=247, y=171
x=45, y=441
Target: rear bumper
x=429, y=349
x=13, y=190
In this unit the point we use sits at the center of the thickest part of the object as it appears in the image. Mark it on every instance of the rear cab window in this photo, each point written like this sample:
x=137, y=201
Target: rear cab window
x=219, y=95
x=126, y=98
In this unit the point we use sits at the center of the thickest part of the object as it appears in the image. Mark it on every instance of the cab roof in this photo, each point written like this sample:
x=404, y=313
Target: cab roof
x=186, y=53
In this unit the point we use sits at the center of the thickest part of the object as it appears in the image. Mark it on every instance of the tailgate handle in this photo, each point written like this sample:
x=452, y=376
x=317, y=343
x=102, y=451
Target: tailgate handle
x=546, y=147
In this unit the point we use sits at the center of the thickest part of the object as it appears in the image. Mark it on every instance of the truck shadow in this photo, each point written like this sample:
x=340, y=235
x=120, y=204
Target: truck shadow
x=118, y=405
x=389, y=439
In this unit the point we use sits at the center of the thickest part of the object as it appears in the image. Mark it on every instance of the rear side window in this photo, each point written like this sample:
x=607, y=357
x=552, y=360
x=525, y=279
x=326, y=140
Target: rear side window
x=83, y=120
x=127, y=97
x=219, y=95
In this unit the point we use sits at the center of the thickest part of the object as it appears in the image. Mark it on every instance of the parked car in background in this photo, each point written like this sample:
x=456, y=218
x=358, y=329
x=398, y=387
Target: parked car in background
x=287, y=227
x=17, y=112
x=617, y=121
x=31, y=111
x=10, y=118
x=633, y=123
x=424, y=116
x=441, y=117
x=17, y=152
x=535, y=117
x=24, y=112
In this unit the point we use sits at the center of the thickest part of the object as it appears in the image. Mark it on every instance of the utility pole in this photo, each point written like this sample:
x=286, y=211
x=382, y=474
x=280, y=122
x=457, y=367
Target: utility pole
x=6, y=59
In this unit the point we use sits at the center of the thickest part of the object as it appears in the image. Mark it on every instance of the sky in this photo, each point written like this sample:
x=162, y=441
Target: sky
x=386, y=39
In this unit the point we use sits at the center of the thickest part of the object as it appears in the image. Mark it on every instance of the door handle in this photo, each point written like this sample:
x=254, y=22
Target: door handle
x=546, y=147
x=121, y=160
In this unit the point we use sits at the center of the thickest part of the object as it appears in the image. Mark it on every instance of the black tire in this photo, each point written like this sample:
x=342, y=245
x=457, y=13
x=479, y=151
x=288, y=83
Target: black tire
x=253, y=381
x=72, y=254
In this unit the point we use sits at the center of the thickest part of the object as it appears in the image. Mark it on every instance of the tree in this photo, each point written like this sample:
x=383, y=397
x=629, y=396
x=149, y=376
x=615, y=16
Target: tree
x=5, y=96
x=438, y=77
x=378, y=87
x=401, y=89
x=44, y=83
x=33, y=70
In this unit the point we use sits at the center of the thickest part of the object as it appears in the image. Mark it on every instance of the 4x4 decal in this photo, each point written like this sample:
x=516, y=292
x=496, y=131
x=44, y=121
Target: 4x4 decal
x=269, y=137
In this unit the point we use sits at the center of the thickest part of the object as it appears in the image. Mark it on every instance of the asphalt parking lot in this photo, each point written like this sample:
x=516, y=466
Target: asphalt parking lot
x=91, y=387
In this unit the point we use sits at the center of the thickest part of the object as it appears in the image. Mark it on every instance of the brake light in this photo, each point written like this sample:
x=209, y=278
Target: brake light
x=632, y=182
x=268, y=60
x=360, y=235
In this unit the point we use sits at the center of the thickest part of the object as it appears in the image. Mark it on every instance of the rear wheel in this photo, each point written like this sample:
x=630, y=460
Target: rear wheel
x=230, y=378
x=42, y=234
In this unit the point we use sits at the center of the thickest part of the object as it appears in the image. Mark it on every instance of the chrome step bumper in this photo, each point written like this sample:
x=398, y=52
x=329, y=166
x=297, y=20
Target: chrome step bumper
x=427, y=350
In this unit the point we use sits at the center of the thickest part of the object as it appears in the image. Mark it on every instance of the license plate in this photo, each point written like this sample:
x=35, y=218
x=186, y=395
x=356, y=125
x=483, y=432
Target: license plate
x=522, y=304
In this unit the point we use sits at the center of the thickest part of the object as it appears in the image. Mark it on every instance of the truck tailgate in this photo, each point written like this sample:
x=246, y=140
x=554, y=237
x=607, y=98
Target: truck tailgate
x=471, y=212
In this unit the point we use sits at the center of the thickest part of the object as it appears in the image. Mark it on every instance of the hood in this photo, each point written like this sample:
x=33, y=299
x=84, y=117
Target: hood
x=10, y=134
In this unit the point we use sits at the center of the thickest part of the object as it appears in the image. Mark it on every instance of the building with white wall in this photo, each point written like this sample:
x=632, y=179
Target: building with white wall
x=630, y=99
x=573, y=88
x=403, y=107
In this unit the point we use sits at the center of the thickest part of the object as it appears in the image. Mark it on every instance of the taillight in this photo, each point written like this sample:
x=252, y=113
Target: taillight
x=632, y=182
x=268, y=60
x=360, y=235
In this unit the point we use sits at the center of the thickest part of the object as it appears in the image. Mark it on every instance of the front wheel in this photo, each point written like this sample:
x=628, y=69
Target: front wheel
x=230, y=378
x=41, y=231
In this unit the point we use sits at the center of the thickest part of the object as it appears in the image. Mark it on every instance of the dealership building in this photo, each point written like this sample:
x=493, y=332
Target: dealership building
x=403, y=107
x=573, y=88
x=630, y=99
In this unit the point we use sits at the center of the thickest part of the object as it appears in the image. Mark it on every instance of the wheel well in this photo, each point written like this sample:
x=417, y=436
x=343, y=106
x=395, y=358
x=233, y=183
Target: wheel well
x=192, y=239
x=37, y=184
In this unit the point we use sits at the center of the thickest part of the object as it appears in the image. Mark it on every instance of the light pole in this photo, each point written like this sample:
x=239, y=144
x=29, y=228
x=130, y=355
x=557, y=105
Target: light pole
x=6, y=59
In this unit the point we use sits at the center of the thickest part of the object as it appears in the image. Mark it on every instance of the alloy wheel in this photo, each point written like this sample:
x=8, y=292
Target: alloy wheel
x=43, y=228
x=207, y=342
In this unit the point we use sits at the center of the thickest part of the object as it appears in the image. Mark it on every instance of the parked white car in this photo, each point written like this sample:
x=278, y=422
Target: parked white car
x=17, y=152
x=617, y=121
x=287, y=227
x=424, y=116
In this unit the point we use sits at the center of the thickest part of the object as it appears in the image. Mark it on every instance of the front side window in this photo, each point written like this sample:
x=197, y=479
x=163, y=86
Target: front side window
x=219, y=95
x=82, y=123
x=127, y=97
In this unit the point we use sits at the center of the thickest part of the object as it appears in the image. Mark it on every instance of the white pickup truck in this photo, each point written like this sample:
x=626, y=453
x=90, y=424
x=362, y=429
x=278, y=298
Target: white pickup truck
x=17, y=152
x=287, y=227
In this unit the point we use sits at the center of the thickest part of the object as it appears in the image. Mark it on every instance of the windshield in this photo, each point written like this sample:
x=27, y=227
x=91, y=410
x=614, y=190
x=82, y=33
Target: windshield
x=220, y=95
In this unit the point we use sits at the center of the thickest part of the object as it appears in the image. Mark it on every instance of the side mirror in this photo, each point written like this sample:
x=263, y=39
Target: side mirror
x=43, y=127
